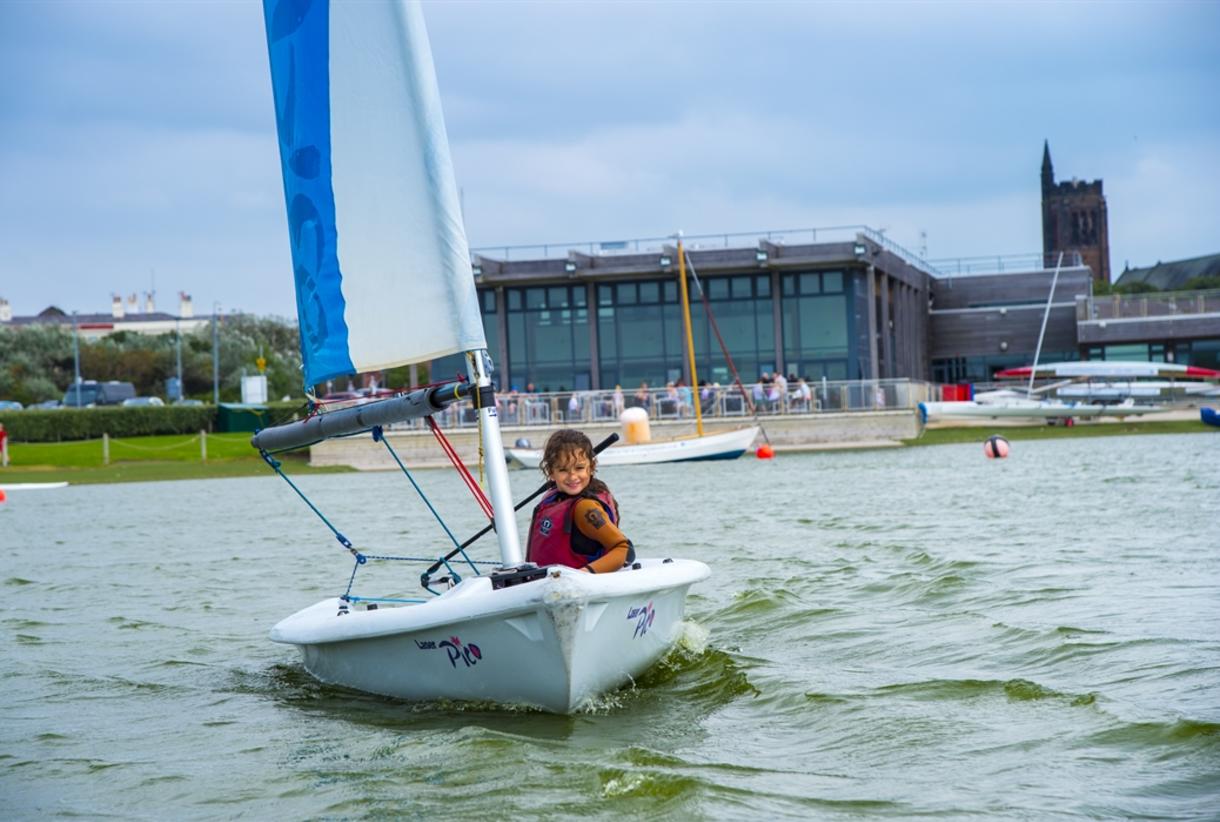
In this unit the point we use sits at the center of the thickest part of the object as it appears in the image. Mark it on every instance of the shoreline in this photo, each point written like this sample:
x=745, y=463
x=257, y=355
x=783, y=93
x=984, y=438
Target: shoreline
x=253, y=466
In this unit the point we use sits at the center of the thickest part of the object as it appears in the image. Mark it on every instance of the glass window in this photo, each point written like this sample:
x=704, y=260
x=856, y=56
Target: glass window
x=605, y=295
x=832, y=282
x=578, y=296
x=740, y=288
x=763, y=284
x=514, y=299
x=670, y=291
x=625, y=294
x=535, y=298
x=717, y=288
x=557, y=296
x=811, y=283
x=650, y=292
x=788, y=285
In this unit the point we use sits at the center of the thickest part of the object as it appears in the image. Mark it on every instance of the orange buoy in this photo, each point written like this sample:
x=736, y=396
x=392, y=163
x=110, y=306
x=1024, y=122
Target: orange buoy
x=996, y=447
x=2, y=497
x=765, y=452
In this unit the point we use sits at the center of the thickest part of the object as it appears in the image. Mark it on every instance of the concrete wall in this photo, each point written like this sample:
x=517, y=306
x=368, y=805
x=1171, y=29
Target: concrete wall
x=419, y=449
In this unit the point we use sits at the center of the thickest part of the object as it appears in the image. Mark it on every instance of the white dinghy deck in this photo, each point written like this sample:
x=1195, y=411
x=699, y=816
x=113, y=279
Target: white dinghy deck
x=552, y=643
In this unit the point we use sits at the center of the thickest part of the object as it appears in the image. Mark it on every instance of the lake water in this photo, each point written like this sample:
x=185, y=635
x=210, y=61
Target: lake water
x=893, y=633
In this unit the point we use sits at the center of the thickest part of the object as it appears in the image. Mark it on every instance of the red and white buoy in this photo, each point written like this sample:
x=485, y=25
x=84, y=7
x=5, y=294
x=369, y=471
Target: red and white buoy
x=996, y=447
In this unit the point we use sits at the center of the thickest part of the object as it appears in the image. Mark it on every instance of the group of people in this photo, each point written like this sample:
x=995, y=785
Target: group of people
x=775, y=392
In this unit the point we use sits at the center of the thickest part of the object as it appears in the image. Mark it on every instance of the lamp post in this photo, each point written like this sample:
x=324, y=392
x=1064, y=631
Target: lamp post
x=215, y=356
x=76, y=356
x=178, y=333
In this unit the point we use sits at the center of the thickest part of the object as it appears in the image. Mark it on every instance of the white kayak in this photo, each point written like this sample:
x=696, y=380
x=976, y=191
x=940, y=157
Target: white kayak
x=552, y=643
x=727, y=445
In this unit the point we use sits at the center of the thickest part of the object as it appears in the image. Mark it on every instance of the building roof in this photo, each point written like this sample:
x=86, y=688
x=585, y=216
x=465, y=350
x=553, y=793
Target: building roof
x=1173, y=275
x=55, y=316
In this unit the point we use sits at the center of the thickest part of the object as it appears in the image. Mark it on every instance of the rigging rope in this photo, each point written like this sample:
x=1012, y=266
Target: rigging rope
x=479, y=496
x=379, y=436
x=707, y=307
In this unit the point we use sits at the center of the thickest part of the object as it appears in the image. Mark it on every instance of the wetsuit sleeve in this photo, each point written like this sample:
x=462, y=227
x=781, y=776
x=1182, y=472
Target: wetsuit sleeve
x=594, y=523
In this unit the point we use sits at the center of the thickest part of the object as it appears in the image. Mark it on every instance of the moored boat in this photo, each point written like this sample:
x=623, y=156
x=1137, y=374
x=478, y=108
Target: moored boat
x=725, y=445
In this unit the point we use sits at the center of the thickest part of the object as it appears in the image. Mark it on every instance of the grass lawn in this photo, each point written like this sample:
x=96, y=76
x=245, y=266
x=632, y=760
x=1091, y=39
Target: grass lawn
x=145, y=459
x=944, y=436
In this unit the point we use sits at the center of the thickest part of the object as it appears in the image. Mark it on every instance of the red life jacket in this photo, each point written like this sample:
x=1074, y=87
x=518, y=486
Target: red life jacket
x=555, y=540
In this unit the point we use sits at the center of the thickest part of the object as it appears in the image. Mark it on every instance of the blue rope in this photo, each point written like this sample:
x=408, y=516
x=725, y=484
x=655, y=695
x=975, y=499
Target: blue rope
x=383, y=599
x=344, y=541
x=379, y=436
x=362, y=559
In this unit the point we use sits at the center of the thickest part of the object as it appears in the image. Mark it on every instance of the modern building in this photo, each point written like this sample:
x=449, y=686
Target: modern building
x=843, y=304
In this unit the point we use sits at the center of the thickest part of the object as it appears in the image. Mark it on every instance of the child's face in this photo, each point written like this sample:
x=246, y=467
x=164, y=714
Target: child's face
x=572, y=472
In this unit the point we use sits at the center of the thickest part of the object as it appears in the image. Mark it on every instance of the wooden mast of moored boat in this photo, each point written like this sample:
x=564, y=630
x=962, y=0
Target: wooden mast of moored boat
x=690, y=339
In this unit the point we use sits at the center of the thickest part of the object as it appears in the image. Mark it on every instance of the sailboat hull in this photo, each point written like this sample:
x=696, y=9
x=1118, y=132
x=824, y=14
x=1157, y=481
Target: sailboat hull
x=1026, y=409
x=553, y=644
x=728, y=445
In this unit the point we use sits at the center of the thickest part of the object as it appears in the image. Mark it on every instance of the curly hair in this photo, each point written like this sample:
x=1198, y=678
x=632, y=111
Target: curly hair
x=564, y=444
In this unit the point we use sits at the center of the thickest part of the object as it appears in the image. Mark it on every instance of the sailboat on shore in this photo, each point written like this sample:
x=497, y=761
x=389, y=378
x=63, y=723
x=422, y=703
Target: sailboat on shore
x=383, y=279
x=722, y=445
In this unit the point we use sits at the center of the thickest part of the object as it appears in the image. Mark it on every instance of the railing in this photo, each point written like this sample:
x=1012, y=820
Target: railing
x=716, y=403
x=696, y=242
x=1004, y=263
x=1134, y=306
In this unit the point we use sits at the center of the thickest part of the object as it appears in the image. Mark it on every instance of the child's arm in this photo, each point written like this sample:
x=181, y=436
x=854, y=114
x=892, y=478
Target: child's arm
x=592, y=521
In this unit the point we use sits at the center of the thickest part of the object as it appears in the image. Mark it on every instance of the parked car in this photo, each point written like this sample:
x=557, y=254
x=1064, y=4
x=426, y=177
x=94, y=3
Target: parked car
x=144, y=401
x=188, y=402
x=47, y=404
x=92, y=392
x=10, y=405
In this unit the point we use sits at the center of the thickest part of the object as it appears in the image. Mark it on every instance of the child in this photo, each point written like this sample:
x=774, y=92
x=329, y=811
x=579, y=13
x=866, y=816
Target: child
x=576, y=524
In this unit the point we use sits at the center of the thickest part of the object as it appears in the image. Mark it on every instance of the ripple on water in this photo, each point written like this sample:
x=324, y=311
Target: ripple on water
x=909, y=633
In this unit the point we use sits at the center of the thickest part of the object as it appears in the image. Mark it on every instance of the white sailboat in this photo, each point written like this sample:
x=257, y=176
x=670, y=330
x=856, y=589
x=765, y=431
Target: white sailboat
x=383, y=278
x=1090, y=388
x=1033, y=404
x=723, y=445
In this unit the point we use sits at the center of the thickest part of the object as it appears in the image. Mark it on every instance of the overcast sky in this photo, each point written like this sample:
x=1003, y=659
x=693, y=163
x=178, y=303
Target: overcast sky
x=137, y=141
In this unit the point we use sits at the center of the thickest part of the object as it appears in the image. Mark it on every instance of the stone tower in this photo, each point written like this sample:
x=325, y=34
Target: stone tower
x=1074, y=219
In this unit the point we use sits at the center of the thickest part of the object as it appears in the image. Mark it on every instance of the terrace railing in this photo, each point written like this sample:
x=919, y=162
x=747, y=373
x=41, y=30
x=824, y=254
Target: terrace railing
x=1166, y=304
x=716, y=403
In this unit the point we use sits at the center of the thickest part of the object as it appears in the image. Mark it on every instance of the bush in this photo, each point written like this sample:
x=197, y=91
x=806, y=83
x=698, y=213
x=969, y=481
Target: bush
x=119, y=421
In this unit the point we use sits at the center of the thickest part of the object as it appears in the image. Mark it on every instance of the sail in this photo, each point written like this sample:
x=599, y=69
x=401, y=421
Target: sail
x=379, y=253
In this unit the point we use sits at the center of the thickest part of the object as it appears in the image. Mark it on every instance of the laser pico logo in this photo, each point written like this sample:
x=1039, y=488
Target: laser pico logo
x=643, y=616
x=469, y=654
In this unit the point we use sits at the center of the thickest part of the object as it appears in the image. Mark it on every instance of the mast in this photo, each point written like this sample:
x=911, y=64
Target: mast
x=478, y=365
x=1045, y=316
x=690, y=339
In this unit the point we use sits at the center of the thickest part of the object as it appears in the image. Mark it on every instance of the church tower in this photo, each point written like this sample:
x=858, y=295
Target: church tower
x=1074, y=219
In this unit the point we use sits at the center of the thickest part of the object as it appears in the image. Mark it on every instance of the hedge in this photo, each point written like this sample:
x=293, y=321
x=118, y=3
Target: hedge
x=55, y=425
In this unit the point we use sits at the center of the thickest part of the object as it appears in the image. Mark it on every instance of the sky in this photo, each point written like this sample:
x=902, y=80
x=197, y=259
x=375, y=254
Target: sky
x=138, y=148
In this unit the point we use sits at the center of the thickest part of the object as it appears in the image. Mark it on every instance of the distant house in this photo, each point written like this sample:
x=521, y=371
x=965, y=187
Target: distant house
x=1173, y=276
x=122, y=317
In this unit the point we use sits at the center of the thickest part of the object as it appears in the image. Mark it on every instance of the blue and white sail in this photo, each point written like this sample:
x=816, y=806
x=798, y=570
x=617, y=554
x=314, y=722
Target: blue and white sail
x=379, y=252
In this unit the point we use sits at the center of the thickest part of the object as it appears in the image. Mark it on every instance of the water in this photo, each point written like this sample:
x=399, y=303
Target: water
x=899, y=633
